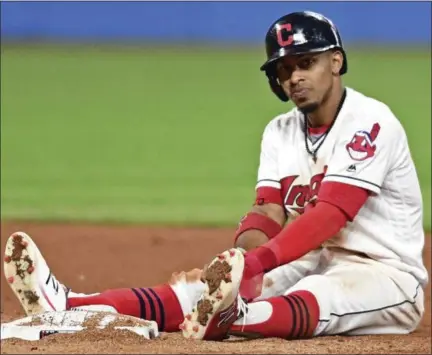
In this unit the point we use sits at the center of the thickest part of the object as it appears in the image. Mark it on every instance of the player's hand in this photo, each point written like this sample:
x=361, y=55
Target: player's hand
x=253, y=277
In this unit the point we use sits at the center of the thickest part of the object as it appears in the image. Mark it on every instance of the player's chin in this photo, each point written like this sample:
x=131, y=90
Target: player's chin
x=306, y=106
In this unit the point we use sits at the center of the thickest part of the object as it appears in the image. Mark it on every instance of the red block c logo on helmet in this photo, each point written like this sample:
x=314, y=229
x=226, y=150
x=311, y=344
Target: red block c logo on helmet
x=284, y=29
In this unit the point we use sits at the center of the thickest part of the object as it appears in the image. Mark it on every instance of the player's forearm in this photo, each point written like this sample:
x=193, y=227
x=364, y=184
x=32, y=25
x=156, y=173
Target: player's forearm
x=306, y=233
x=251, y=239
x=337, y=204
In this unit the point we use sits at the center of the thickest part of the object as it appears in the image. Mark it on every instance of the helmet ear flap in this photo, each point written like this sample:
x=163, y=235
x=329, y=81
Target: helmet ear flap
x=276, y=88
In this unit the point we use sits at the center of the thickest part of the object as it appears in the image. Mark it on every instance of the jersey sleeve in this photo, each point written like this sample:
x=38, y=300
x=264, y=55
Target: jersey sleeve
x=363, y=154
x=268, y=175
x=268, y=187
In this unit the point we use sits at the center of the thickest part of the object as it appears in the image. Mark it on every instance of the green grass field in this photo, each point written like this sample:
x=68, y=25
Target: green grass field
x=163, y=135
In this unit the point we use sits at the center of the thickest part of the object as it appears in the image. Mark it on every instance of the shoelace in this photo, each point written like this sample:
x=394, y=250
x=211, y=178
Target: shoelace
x=243, y=310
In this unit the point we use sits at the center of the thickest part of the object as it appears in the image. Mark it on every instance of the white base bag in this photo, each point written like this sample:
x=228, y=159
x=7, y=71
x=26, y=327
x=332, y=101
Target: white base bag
x=39, y=326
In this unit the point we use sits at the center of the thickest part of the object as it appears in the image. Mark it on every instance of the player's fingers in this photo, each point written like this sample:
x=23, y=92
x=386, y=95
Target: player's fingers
x=203, y=273
x=194, y=275
x=188, y=276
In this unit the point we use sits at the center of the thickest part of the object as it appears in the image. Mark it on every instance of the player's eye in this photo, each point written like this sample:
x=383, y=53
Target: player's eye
x=306, y=63
x=283, y=71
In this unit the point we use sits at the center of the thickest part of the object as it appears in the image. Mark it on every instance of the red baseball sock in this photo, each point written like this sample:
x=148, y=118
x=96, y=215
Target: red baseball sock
x=293, y=316
x=159, y=304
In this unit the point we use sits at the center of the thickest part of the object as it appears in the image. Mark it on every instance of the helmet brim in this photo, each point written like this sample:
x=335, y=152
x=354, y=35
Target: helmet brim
x=295, y=50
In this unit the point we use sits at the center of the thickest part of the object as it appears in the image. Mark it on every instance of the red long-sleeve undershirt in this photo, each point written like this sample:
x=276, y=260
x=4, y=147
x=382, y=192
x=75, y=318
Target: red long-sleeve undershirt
x=337, y=204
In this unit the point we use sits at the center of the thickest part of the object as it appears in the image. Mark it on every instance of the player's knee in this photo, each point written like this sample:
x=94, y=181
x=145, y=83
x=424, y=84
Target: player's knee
x=319, y=286
x=312, y=283
x=408, y=316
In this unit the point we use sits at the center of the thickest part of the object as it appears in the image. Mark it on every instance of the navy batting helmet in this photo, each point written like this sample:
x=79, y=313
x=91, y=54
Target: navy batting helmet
x=299, y=33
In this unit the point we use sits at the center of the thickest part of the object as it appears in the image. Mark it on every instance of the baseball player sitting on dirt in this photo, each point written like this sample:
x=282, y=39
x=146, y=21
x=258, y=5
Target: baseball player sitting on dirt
x=338, y=168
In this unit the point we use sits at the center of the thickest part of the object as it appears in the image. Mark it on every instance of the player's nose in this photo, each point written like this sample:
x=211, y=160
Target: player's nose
x=295, y=78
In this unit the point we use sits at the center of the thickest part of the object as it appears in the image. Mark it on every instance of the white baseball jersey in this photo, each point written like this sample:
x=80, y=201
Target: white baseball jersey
x=366, y=147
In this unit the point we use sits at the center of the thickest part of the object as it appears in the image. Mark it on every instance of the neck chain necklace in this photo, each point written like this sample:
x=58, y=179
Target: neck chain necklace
x=314, y=152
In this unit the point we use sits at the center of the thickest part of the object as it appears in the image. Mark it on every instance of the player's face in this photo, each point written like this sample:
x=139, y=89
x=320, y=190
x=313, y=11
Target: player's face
x=308, y=79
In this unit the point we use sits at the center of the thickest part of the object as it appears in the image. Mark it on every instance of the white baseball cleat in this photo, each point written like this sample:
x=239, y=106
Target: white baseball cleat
x=217, y=308
x=30, y=277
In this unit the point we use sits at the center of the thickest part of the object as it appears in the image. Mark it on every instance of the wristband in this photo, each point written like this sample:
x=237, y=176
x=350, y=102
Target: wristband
x=260, y=222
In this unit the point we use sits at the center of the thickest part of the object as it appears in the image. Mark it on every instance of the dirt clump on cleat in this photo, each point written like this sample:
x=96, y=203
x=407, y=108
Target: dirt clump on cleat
x=31, y=297
x=22, y=264
x=21, y=271
x=18, y=247
x=216, y=273
x=204, y=308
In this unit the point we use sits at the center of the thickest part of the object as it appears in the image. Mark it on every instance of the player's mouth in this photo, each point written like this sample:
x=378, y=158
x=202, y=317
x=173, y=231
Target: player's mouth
x=299, y=94
x=356, y=155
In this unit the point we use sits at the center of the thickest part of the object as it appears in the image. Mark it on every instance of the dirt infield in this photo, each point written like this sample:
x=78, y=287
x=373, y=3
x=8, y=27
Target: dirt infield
x=92, y=258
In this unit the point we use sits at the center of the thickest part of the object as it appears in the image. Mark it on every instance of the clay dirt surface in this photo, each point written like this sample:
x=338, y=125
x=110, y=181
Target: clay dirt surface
x=91, y=258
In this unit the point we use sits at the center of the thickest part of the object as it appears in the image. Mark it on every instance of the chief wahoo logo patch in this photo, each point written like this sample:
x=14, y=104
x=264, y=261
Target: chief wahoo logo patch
x=361, y=146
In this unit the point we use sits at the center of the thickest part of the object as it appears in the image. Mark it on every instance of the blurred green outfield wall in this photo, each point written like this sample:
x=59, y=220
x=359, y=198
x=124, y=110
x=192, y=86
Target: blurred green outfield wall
x=163, y=135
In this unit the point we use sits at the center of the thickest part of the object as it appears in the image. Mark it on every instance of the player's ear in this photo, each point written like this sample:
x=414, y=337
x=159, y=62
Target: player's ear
x=337, y=62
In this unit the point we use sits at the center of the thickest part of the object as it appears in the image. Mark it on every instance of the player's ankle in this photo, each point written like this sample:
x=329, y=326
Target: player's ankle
x=279, y=317
x=187, y=290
